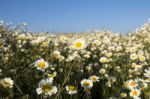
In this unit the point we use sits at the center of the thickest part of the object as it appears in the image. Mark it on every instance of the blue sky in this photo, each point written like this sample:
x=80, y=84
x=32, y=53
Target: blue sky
x=76, y=15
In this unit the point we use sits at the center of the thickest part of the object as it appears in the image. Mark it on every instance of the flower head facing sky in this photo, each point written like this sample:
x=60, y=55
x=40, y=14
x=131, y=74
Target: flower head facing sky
x=71, y=89
x=87, y=84
x=46, y=87
x=78, y=44
x=40, y=64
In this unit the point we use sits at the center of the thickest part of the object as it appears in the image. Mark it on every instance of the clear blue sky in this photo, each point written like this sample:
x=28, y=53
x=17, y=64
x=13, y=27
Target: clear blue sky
x=76, y=15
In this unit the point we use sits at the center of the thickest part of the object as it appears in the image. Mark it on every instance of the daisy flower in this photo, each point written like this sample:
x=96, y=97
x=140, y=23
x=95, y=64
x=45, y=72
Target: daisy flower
x=79, y=44
x=147, y=73
x=142, y=58
x=123, y=95
x=103, y=60
x=71, y=89
x=133, y=49
x=135, y=93
x=46, y=88
x=7, y=83
x=94, y=78
x=136, y=66
x=51, y=76
x=132, y=84
x=86, y=83
x=40, y=64
x=109, y=54
x=56, y=54
x=133, y=56
x=102, y=71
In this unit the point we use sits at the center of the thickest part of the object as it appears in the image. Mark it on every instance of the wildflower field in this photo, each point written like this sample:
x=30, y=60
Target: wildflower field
x=91, y=65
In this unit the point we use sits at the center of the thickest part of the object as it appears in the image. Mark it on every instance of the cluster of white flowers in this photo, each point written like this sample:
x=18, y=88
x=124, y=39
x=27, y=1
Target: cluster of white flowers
x=45, y=85
x=77, y=62
x=88, y=83
x=135, y=87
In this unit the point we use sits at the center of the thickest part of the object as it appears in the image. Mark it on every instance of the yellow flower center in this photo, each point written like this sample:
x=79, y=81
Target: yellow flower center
x=44, y=44
x=133, y=56
x=42, y=64
x=134, y=93
x=78, y=44
x=133, y=83
x=46, y=88
x=71, y=88
x=93, y=78
x=86, y=84
x=142, y=58
x=6, y=84
x=51, y=75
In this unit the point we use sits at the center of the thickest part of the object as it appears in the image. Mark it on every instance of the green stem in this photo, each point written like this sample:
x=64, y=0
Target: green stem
x=64, y=81
x=18, y=89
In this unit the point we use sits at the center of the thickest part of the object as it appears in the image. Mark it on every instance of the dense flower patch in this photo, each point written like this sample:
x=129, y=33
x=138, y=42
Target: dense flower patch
x=99, y=65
